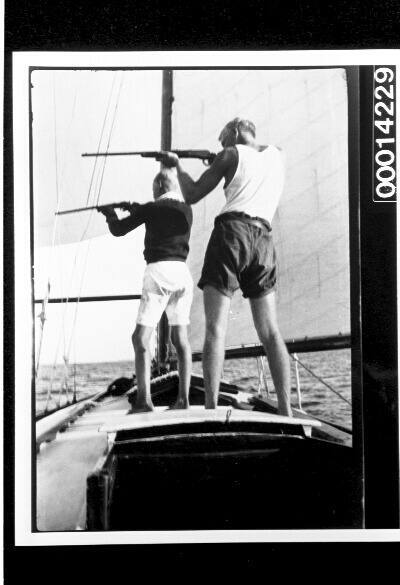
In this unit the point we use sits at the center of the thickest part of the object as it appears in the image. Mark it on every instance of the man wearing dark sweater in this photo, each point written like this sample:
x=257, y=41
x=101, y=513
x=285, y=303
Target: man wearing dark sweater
x=167, y=283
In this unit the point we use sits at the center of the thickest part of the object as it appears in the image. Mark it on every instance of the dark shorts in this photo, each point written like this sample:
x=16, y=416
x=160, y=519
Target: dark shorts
x=240, y=254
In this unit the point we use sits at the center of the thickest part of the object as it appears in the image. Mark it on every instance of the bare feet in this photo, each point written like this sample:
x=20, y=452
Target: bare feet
x=141, y=407
x=180, y=404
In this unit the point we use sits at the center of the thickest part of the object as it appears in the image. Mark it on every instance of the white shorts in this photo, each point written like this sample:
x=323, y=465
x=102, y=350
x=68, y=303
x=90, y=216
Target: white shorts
x=167, y=286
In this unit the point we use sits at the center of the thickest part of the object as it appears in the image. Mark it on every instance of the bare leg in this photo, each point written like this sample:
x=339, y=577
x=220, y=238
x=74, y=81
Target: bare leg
x=181, y=342
x=141, y=344
x=216, y=308
x=266, y=323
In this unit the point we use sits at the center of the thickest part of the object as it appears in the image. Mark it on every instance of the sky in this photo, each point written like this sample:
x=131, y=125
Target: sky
x=76, y=112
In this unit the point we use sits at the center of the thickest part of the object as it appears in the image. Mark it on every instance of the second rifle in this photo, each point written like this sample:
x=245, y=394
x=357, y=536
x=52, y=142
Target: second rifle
x=122, y=205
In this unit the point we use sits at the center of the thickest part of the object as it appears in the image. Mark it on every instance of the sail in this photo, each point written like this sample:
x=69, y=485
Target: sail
x=305, y=113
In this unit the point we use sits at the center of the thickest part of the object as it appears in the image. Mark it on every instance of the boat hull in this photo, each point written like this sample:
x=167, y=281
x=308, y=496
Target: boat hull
x=213, y=480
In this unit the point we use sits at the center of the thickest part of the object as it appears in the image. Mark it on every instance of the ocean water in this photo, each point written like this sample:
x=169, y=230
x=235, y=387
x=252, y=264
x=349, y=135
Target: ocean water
x=333, y=367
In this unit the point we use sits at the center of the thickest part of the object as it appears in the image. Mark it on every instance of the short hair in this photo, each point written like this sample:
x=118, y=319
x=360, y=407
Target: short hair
x=242, y=125
x=167, y=179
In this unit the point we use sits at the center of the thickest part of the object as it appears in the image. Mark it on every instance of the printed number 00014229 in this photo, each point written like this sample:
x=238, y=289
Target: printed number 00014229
x=384, y=134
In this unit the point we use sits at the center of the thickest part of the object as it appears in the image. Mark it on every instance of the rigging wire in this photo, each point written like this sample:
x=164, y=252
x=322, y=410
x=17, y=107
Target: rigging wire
x=62, y=330
x=298, y=388
x=96, y=158
x=104, y=159
x=262, y=377
x=83, y=275
x=74, y=376
x=296, y=359
x=42, y=315
x=55, y=224
x=58, y=179
x=49, y=395
x=91, y=183
x=111, y=131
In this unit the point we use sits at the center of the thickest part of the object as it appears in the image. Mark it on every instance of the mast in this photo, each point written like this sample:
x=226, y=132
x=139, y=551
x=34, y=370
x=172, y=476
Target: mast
x=166, y=144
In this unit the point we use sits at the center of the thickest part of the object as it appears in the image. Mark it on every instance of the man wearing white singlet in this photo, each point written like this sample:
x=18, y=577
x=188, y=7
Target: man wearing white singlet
x=240, y=253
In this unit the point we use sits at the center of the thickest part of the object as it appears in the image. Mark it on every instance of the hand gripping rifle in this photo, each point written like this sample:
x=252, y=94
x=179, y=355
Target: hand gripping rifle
x=122, y=205
x=205, y=155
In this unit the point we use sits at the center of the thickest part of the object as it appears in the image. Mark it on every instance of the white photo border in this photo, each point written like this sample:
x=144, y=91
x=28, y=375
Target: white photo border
x=21, y=63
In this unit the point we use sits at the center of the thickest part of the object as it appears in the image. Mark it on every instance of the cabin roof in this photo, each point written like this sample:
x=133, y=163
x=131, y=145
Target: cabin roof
x=163, y=416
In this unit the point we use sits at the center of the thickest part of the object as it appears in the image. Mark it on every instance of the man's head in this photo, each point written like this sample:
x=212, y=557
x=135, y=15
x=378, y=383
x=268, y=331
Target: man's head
x=237, y=131
x=164, y=181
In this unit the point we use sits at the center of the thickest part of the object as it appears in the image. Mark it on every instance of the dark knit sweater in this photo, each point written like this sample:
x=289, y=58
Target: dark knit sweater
x=168, y=223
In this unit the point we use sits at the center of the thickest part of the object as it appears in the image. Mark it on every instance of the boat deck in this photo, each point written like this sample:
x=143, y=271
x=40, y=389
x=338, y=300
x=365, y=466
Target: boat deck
x=64, y=464
x=79, y=443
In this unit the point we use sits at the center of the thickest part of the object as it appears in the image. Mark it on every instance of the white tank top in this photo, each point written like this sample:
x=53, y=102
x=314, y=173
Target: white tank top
x=257, y=184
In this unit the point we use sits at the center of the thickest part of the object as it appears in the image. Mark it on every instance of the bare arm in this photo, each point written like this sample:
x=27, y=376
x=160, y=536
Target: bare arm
x=194, y=191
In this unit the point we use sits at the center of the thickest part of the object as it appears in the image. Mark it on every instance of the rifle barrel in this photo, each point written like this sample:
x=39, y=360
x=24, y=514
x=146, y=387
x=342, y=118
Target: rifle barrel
x=113, y=153
x=201, y=154
x=119, y=205
x=75, y=210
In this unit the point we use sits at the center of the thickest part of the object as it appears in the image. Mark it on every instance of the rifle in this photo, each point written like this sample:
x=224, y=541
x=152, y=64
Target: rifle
x=122, y=205
x=205, y=155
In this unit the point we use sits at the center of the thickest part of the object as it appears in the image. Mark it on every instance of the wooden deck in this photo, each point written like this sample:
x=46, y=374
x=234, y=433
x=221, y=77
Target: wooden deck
x=64, y=464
